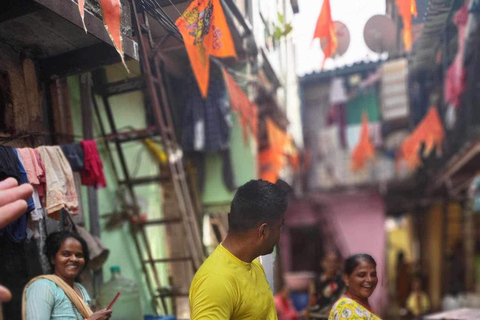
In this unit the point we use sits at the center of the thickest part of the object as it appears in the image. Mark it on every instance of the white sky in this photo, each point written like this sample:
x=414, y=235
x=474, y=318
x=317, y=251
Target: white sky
x=353, y=13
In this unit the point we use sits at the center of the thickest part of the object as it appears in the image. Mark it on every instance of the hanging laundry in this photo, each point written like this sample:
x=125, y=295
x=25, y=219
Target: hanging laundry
x=92, y=174
x=338, y=93
x=364, y=150
x=325, y=30
x=430, y=133
x=8, y=164
x=17, y=230
x=112, y=15
x=41, y=188
x=75, y=156
x=246, y=110
x=34, y=174
x=407, y=8
x=206, y=123
x=456, y=75
x=60, y=186
x=207, y=127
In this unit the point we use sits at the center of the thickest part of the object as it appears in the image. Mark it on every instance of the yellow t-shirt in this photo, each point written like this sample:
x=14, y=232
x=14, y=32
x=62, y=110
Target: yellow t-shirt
x=227, y=288
x=347, y=308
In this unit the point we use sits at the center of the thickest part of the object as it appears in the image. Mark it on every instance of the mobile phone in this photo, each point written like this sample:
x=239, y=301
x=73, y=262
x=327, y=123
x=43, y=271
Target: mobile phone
x=113, y=301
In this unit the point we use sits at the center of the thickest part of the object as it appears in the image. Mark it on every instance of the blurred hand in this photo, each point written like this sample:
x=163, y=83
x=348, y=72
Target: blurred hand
x=103, y=314
x=12, y=205
x=13, y=200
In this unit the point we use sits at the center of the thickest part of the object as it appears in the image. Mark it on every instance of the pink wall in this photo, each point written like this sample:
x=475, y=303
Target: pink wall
x=358, y=221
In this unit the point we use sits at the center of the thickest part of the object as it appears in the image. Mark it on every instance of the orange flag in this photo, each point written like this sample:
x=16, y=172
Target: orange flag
x=406, y=8
x=273, y=158
x=364, y=150
x=247, y=111
x=325, y=30
x=112, y=14
x=81, y=8
x=429, y=132
x=205, y=32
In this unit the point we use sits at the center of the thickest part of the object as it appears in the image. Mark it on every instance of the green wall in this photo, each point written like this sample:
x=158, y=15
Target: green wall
x=129, y=112
x=244, y=161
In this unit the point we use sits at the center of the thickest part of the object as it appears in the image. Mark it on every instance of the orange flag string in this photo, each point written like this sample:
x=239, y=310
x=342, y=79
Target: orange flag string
x=273, y=159
x=430, y=133
x=364, y=150
x=205, y=32
x=247, y=111
x=112, y=14
x=325, y=30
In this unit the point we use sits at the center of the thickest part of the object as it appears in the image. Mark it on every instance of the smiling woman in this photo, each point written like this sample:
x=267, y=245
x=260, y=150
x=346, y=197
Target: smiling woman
x=58, y=296
x=360, y=276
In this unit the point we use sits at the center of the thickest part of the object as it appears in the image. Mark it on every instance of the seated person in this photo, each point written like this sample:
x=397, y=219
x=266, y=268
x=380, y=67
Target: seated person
x=418, y=303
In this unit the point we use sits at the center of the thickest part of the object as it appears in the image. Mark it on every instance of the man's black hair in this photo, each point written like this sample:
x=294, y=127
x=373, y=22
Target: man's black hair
x=257, y=202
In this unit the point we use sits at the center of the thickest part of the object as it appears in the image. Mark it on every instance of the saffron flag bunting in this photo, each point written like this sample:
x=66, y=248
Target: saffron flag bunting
x=364, y=150
x=429, y=133
x=112, y=14
x=81, y=8
x=205, y=32
x=325, y=30
x=407, y=8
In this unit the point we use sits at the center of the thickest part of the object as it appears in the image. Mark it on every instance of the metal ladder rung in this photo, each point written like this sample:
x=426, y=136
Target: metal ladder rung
x=168, y=260
x=124, y=86
x=162, y=221
x=132, y=135
x=145, y=180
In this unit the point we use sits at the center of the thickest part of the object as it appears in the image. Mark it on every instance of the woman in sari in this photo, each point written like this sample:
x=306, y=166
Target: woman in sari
x=360, y=276
x=58, y=296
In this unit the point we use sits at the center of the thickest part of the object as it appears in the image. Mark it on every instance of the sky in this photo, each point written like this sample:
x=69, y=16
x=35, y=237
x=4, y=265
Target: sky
x=353, y=13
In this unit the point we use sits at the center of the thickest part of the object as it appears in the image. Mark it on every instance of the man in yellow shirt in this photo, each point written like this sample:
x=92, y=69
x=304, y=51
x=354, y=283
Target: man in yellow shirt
x=231, y=284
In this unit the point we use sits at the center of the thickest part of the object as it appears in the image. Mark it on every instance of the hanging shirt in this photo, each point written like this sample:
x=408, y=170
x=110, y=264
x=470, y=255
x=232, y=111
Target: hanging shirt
x=60, y=186
x=17, y=230
x=75, y=156
x=206, y=123
x=34, y=173
x=8, y=164
x=227, y=288
x=92, y=173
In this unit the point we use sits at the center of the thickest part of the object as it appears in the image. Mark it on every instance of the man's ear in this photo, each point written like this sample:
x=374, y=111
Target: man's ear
x=262, y=229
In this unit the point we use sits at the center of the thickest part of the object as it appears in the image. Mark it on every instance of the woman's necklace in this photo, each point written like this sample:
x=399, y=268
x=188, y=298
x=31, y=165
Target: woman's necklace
x=74, y=309
x=348, y=294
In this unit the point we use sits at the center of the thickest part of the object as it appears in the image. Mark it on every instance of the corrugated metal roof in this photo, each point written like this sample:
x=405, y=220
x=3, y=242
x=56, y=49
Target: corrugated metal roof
x=343, y=71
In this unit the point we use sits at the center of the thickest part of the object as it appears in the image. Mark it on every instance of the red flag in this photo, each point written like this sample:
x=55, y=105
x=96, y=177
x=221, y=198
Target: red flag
x=325, y=30
x=112, y=14
x=205, y=32
x=364, y=150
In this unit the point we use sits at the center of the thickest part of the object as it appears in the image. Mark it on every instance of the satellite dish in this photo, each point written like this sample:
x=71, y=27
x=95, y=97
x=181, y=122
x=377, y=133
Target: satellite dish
x=380, y=34
x=343, y=38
